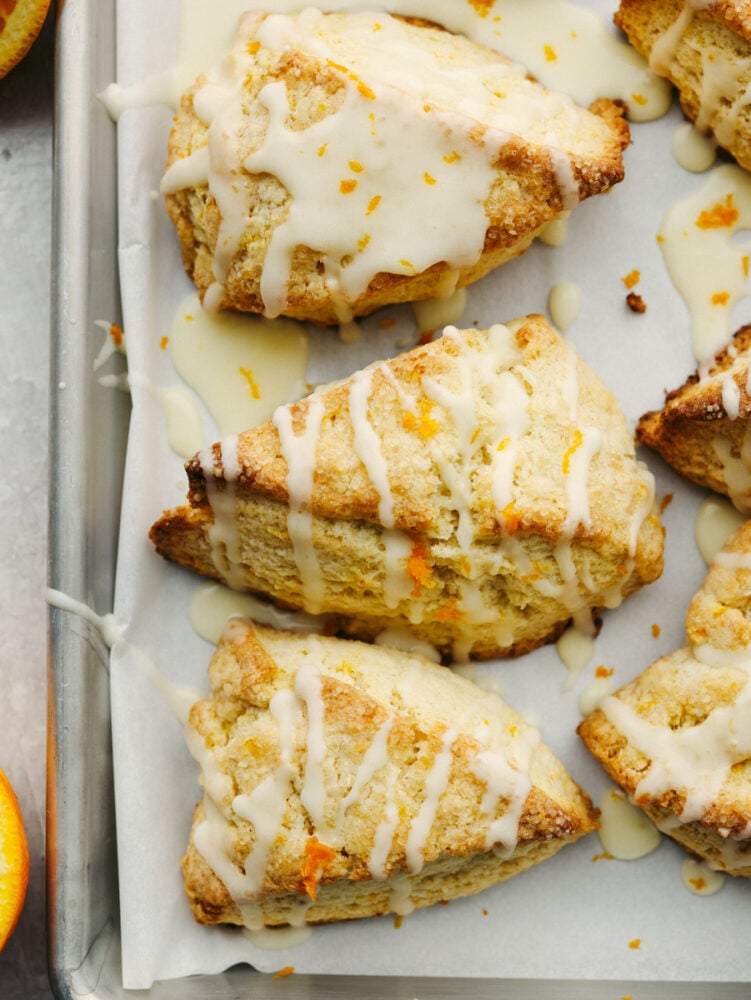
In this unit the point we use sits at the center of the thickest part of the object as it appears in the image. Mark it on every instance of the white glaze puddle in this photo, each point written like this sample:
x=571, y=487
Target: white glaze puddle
x=593, y=692
x=700, y=879
x=242, y=367
x=277, y=938
x=564, y=303
x=694, y=150
x=433, y=314
x=576, y=649
x=709, y=268
x=625, y=832
x=716, y=520
x=213, y=605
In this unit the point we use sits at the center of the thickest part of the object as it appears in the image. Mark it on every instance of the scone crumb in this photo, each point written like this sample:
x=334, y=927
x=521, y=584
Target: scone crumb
x=656, y=630
x=636, y=303
x=398, y=919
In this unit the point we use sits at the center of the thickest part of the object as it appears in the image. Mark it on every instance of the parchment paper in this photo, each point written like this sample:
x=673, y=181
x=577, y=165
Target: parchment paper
x=570, y=917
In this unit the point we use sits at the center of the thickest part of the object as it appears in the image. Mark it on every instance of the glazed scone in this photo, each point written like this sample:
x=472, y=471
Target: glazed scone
x=479, y=491
x=336, y=163
x=705, y=50
x=678, y=737
x=343, y=780
x=704, y=429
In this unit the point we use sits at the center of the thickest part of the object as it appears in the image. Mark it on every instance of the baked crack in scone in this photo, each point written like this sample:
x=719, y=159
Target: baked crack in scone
x=335, y=163
x=343, y=780
x=480, y=491
x=705, y=50
x=704, y=429
x=678, y=737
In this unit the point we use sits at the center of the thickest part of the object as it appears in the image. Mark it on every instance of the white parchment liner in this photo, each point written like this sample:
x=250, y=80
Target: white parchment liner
x=570, y=917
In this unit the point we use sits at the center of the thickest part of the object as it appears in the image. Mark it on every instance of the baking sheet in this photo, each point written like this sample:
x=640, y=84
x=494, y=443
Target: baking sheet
x=570, y=917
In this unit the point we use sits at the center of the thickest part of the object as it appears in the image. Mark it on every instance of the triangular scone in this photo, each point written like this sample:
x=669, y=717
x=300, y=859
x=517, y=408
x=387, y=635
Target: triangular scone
x=335, y=163
x=346, y=780
x=480, y=490
x=704, y=429
x=678, y=737
x=705, y=50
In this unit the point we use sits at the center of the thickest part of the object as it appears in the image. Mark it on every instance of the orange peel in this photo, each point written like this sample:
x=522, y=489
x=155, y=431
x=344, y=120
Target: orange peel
x=14, y=860
x=20, y=23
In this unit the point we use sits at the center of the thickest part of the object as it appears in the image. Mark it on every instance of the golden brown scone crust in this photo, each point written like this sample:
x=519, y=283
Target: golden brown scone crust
x=680, y=691
x=718, y=34
x=694, y=433
x=525, y=196
x=236, y=733
x=512, y=555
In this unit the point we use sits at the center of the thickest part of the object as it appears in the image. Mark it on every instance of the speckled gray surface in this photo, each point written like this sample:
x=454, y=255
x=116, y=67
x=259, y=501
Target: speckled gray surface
x=25, y=208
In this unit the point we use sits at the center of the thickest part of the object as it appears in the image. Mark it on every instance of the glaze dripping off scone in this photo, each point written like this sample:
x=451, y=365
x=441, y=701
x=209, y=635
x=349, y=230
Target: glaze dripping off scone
x=479, y=491
x=704, y=429
x=343, y=780
x=678, y=737
x=336, y=163
x=703, y=48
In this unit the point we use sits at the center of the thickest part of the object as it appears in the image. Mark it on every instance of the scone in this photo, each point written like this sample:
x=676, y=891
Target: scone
x=704, y=429
x=335, y=163
x=480, y=491
x=343, y=780
x=678, y=737
x=705, y=50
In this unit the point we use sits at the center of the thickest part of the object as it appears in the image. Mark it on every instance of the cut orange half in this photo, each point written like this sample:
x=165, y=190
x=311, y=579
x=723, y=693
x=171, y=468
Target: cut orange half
x=20, y=23
x=14, y=860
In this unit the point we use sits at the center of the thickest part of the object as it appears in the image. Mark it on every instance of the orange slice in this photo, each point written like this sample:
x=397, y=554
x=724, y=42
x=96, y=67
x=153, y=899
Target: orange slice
x=20, y=23
x=14, y=859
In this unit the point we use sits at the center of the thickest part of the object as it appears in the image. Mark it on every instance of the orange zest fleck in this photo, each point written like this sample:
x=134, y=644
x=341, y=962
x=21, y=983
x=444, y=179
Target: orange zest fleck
x=481, y=7
x=665, y=502
x=550, y=53
x=511, y=518
x=253, y=47
x=387, y=324
x=604, y=671
x=347, y=186
x=719, y=216
x=656, y=630
x=317, y=857
x=632, y=278
x=452, y=157
x=484, y=912
x=362, y=87
x=603, y=856
x=428, y=178
x=362, y=243
x=659, y=238
x=163, y=343
x=189, y=317
x=698, y=883
x=398, y=919
x=503, y=443
x=578, y=440
x=635, y=944
x=373, y=204
x=449, y=613
x=356, y=167
x=744, y=265
x=283, y=973
x=322, y=149
x=639, y=99
x=407, y=263
x=117, y=334
x=419, y=571
x=247, y=374
x=720, y=298
x=425, y=424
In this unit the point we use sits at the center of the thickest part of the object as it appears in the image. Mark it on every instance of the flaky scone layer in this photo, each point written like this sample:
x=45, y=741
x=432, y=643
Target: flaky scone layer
x=344, y=780
x=678, y=737
x=425, y=161
x=479, y=491
x=703, y=430
x=705, y=50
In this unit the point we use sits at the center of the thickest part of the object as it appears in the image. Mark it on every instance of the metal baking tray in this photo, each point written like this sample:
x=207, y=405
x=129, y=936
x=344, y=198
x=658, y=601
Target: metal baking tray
x=88, y=428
